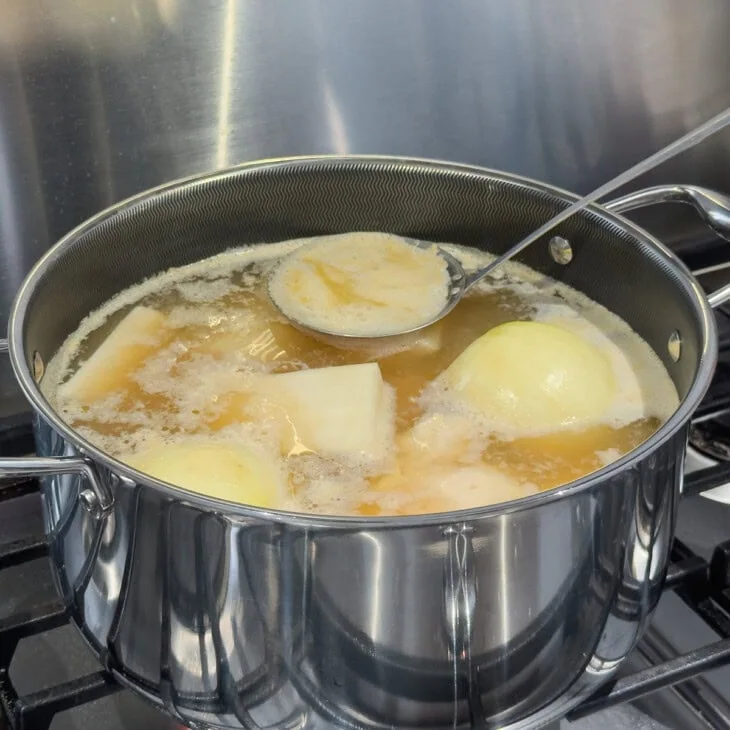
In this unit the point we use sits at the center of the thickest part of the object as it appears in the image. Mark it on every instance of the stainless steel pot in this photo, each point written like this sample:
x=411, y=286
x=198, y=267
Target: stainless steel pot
x=233, y=616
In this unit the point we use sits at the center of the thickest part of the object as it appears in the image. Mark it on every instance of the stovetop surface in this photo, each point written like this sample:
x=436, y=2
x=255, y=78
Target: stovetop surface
x=47, y=659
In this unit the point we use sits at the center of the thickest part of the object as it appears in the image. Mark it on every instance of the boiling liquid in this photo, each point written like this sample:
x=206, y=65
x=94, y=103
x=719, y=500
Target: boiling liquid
x=197, y=377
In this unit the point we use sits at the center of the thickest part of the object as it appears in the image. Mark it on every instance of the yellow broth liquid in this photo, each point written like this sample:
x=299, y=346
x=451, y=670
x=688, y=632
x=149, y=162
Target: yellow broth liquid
x=545, y=461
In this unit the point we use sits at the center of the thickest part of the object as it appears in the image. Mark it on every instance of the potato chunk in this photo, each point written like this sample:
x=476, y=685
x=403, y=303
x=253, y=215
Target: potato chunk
x=344, y=411
x=216, y=469
x=532, y=376
x=118, y=356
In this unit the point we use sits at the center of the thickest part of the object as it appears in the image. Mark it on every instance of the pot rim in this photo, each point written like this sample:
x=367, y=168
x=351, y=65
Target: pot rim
x=24, y=376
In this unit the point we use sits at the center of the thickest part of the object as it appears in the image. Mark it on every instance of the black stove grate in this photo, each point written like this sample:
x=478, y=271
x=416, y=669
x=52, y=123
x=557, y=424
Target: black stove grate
x=36, y=711
x=703, y=585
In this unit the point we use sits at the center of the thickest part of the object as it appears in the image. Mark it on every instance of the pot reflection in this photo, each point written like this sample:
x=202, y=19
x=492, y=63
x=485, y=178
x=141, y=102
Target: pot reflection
x=248, y=623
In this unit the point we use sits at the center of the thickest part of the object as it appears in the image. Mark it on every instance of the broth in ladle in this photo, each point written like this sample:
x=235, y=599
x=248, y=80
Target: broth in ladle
x=194, y=377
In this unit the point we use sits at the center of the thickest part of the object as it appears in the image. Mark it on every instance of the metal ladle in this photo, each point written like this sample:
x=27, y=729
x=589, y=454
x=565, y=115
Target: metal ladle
x=461, y=281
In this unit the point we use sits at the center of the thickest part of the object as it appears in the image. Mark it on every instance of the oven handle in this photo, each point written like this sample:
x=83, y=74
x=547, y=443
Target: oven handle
x=712, y=207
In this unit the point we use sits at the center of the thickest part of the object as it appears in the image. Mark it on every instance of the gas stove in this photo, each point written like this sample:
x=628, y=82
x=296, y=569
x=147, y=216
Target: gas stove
x=678, y=678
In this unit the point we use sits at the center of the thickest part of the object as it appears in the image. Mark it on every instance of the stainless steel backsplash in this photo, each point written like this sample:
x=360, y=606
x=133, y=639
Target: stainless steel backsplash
x=100, y=99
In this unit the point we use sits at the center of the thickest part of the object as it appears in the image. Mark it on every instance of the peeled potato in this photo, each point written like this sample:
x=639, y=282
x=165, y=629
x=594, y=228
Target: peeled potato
x=434, y=488
x=439, y=437
x=532, y=377
x=341, y=411
x=474, y=486
x=218, y=470
x=122, y=352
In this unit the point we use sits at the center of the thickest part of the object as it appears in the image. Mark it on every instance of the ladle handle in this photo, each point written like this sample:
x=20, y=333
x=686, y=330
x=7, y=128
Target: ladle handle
x=712, y=207
x=685, y=142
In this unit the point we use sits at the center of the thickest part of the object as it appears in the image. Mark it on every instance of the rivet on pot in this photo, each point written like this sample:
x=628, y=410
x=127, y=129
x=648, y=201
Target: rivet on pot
x=560, y=250
x=90, y=502
x=674, y=346
x=38, y=367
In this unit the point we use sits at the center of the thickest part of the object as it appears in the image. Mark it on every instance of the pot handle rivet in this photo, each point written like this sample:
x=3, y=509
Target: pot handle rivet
x=39, y=367
x=561, y=251
x=90, y=502
x=674, y=346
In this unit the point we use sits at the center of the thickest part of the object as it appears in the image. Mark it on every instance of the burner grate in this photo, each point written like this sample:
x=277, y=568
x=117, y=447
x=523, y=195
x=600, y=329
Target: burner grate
x=703, y=585
x=705, y=588
x=36, y=711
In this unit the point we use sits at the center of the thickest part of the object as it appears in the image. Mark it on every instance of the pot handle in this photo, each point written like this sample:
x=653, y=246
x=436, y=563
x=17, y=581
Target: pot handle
x=712, y=207
x=97, y=499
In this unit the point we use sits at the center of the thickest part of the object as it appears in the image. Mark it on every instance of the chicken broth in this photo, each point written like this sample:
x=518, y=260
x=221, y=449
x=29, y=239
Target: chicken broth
x=194, y=377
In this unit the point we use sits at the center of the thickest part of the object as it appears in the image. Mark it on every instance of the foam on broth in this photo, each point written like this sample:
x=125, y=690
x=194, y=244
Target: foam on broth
x=202, y=372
